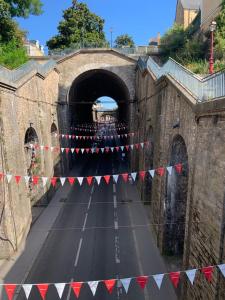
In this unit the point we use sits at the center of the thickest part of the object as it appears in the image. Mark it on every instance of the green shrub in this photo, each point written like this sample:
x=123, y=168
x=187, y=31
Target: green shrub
x=12, y=54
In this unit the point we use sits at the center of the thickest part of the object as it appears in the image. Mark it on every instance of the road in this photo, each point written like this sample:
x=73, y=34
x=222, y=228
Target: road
x=97, y=235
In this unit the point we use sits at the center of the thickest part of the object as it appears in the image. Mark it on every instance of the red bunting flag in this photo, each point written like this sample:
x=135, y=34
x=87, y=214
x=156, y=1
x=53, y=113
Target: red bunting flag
x=76, y=286
x=110, y=284
x=107, y=178
x=178, y=168
x=77, y=150
x=67, y=136
x=160, y=171
x=10, y=290
x=89, y=180
x=107, y=149
x=137, y=146
x=127, y=147
x=97, y=150
x=71, y=180
x=1, y=176
x=142, y=281
x=17, y=178
x=87, y=150
x=35, y=180
x=43, y=288
x=125, y=176
x=208, y=271
x=142, y=175
x=175, y=277
x=46, y=148
x=67, y=150
x=117, y=149
x=57, y=149
x=53, y=181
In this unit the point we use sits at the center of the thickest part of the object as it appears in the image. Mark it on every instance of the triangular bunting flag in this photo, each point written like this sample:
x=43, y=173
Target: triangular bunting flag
x=53, y=181
x=158, y=279
x=127, y=147
x=102, y=149
x=62, y=180
x=27, y=289
x=89, y=180
x=98, y=179
x=222, y=269
x=125, y=176
x=115, y=177
x=62, y=150
x=17, y=178
x=137, y=146
x=191, y=275
x=117, y=149
x=72, y=150
x=178, y=168
x=107, y=178
x=52, y=149
x=112, y=149
x=80, y=180
x=160, y=171
x=132, y=147
x=71, y=180
x=152, y=173
x=77, y=150
x=82, y=150
x=207, y=271
x=67, y=150
x=110, y=284
x=44, y=181
x=26, y=179
x=126, y=283
x=76, y=286
x=142, y=281
x=43, y=288
x=10, y=290
x=169, y=169
x=175, y=277
x=134, y=175
x=142, y=145
x=9, y=177
x=142, y=175
x=35, y=180
x=122, y=148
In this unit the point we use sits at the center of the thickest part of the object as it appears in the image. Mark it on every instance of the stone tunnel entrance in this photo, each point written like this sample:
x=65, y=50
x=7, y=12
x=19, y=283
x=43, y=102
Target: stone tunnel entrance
x=176, y=200
x=90, y=86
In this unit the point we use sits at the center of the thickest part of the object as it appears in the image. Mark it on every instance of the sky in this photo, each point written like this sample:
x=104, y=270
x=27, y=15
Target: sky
x=141, y=19
x=107, y=103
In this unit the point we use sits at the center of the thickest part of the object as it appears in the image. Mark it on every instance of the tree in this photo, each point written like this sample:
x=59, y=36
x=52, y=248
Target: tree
x=79, y=25
x=23, y=8
x=124, y=40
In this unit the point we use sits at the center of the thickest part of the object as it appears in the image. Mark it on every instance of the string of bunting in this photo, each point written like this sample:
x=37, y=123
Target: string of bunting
x=96, y=129
x=111, y=283
x=89, y=179
x=95, y=126
x=92, y=150
x=96, y=137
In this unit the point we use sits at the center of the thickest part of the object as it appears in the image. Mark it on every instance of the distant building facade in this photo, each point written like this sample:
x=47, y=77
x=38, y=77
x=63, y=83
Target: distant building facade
x=186, y=11
x=209, y=11
x=34, y=48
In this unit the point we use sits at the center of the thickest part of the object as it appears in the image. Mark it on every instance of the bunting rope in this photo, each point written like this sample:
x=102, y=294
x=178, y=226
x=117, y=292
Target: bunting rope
x=97, y=129
x=125, y=176
x=94, y=137
x=91, y=150
x=110, y=284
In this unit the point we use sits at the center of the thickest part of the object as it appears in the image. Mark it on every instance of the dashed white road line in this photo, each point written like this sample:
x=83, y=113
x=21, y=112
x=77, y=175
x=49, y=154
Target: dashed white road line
x=115, y=201
x=70, y=289
x=116, y=225
x=114, y=188
x=78, y=252
x=85, y=221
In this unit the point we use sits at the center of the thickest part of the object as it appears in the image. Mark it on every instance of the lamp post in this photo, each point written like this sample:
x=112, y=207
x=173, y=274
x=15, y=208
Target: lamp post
x=111, y=31
x=211, y=59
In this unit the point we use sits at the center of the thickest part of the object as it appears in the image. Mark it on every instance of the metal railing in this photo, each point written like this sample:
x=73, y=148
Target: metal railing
x=202, y=89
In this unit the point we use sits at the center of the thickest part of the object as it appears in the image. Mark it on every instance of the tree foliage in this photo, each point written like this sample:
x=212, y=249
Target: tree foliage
x=79, y=25
x=124, y=40
x=23, y=8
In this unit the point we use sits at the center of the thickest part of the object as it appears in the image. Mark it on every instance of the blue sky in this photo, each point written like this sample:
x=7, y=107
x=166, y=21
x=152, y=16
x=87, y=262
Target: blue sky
x=141, y=19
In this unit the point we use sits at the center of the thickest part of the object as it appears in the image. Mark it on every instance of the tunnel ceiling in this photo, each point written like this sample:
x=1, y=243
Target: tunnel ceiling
x=91, y=85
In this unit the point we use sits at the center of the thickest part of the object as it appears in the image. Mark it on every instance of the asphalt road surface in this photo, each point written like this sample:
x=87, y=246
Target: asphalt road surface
x=99, y=233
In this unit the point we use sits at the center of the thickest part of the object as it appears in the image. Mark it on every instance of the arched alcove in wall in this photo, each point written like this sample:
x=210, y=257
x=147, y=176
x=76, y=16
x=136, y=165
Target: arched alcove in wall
x=176, y=200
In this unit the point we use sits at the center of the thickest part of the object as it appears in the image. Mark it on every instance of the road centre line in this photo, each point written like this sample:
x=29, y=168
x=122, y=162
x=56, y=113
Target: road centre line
x=85, y=221
x=70, y=289
x=114, y=188
x=115, y=201
x=78, y=252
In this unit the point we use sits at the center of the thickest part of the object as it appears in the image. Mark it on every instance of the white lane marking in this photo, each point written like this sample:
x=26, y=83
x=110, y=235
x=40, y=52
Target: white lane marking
x=70, y=289
x=117, y=250
x=92, y=189
x=89, y=203
x=116, y=226
x=85, y=221
x=78, y=252
x=115, y=201
x=114, y=188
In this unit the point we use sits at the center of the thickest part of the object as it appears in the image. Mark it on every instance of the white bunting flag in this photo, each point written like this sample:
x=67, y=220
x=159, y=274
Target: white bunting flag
x=142, y=145
x=52, y=148
x=152, y=173
x=126, y=283
x=102, y=149
x=72, y=150
x=42, y=147
x=125, y=135
x=31, y=146
x=76, y=137
x=80, y=180
x=222, y=269
x=98, y=178
x=93, y=286
x=63, y=135
x=132, y=147
x=191, y=275
x=62, y=150
x=158, y=279
x=82, y=150
x=27, y=289
x=122, y=148
x=169, y=169
x=9, y=177
x=70, y=137
x=112, y=149
x=26, y=179
x=62, y=180
x=60, y=288
x=44, y=181
x=56, y=134
x=92, y=150
x=134, y=175
x=115, y=177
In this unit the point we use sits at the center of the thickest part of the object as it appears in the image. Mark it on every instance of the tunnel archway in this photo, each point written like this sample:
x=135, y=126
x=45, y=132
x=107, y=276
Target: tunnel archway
x=91, y=85
x=176, y=200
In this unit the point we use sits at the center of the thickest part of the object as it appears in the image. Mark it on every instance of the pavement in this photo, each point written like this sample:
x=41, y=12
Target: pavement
x=90, y=233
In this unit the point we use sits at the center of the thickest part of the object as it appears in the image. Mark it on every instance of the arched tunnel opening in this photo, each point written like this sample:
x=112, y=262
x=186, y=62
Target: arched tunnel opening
x=90, y=86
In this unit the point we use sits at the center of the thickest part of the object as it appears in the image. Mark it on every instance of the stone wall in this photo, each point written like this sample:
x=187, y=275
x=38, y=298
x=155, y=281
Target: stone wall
x=29, y=103
x=171, y=112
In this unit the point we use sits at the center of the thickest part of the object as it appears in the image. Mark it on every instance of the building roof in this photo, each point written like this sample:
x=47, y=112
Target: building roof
x=191, y=4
